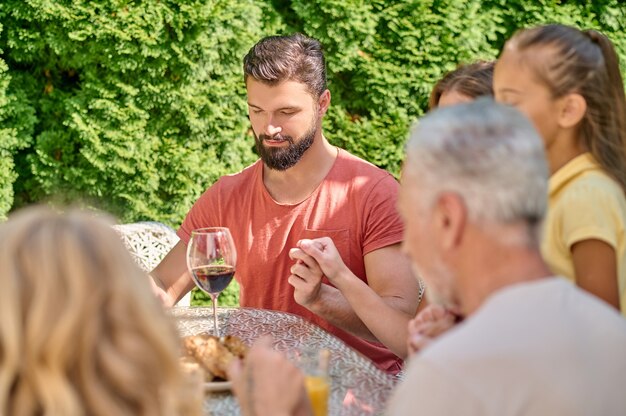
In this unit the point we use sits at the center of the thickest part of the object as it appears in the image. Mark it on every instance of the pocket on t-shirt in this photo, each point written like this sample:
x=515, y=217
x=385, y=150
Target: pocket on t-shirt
x=340, y=238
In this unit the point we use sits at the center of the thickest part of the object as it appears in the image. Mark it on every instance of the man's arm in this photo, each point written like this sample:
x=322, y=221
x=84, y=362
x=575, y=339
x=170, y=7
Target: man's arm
x=379, y=310
x=171, y=275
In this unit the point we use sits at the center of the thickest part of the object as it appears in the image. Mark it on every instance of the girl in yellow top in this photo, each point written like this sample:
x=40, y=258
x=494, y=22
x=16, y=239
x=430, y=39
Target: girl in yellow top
x=568, y=83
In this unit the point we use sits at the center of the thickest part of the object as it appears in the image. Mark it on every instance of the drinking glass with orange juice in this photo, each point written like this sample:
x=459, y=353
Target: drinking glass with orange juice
x=314, y=364
x=318, y=389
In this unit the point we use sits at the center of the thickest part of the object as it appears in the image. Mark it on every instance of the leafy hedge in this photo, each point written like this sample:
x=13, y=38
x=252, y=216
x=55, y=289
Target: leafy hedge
x=136, y=107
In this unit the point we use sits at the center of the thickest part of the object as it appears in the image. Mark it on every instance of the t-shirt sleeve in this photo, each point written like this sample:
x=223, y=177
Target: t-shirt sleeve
x=589, y=213
x=383, y=226
x=430, y=390
x=203, y=213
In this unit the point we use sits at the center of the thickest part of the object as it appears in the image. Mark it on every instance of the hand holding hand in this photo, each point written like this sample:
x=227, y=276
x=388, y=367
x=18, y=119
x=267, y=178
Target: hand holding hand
x=268, y=384
x=314, y=259
x=431, y=322
x=306, y=278
x=326, y=255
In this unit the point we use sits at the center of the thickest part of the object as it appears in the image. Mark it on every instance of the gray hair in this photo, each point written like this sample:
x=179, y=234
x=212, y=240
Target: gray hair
x=488, y=154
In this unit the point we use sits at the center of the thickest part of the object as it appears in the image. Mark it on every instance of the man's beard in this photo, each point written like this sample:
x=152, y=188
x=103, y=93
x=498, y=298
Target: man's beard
x=283, y=158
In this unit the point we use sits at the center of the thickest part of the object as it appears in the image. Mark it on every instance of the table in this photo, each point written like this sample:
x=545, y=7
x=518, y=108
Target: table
x=357, y=386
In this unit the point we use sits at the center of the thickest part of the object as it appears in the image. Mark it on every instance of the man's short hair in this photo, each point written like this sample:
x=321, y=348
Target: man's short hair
x=487, y=153
x=295, y=57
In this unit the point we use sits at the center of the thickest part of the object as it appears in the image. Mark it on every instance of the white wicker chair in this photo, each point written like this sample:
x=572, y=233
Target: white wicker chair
x=148, y=242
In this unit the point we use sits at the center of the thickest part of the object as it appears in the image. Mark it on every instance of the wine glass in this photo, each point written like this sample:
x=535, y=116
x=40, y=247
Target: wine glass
x=211, y=260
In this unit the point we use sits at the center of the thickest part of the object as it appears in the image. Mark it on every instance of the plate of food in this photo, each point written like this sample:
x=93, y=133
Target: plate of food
x=211, y=356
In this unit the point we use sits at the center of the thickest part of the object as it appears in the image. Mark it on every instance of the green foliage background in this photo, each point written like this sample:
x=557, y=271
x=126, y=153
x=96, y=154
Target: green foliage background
x=136, y=107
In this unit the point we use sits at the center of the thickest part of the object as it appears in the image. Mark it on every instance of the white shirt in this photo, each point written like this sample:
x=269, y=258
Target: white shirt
x=538, y=348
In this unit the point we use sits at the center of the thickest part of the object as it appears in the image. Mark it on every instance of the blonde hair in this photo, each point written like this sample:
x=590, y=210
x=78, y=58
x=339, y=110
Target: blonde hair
x=80, y=331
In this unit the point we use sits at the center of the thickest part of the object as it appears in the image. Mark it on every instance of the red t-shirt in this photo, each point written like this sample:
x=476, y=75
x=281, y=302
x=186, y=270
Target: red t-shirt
x=355, y=205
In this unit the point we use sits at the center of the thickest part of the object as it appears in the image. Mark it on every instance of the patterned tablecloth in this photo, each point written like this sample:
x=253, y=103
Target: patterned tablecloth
x=357, y=386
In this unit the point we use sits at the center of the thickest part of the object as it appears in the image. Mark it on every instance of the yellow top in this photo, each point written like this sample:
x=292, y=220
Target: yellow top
x=585, y=203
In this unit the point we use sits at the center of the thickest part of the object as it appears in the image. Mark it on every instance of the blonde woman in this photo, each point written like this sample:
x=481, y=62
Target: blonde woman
x=80, y=333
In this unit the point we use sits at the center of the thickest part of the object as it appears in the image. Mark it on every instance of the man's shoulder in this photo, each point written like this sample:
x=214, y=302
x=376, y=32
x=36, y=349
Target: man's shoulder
x=559, y=313
x=243, y=178
x=512, y=341
x=355, y=166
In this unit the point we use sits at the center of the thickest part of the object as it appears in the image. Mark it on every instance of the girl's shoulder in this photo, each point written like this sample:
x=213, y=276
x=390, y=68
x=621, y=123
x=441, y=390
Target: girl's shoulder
x=594, y=188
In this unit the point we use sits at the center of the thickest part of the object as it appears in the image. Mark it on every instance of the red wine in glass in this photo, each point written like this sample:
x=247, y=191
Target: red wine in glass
x=213, y=279
x=211, y=260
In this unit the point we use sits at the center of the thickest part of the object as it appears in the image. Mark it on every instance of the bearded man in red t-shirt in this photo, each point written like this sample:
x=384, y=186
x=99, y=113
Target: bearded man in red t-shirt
x=302, y=187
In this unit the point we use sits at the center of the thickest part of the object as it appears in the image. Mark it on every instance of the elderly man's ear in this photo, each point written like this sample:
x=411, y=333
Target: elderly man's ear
x=450, y=220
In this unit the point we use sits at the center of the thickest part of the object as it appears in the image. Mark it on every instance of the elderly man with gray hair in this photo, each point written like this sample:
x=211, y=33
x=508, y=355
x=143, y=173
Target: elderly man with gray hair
x=473, y=196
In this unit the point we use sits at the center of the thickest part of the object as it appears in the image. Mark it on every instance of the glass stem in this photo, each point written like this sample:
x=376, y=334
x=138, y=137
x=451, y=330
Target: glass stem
x=214, y=302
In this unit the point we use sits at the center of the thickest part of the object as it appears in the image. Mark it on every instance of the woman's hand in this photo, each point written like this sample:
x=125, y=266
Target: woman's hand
x=267, y=384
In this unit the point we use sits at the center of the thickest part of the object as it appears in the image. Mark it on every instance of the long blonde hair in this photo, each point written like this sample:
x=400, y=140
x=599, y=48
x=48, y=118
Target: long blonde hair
x=80, y=332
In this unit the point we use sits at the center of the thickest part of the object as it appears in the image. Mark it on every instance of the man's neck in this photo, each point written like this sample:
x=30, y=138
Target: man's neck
x=295, y=184
x=495, y=263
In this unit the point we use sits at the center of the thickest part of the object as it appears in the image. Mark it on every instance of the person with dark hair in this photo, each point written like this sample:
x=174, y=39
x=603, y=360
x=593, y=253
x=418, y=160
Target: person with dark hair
x=464, y=84
x=301, y=188
x=473, y=196
x=568, y=82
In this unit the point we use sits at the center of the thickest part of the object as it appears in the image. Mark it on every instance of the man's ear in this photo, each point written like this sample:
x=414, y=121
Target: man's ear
x=572, y=110
x=323, y=103
x=451, y=219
